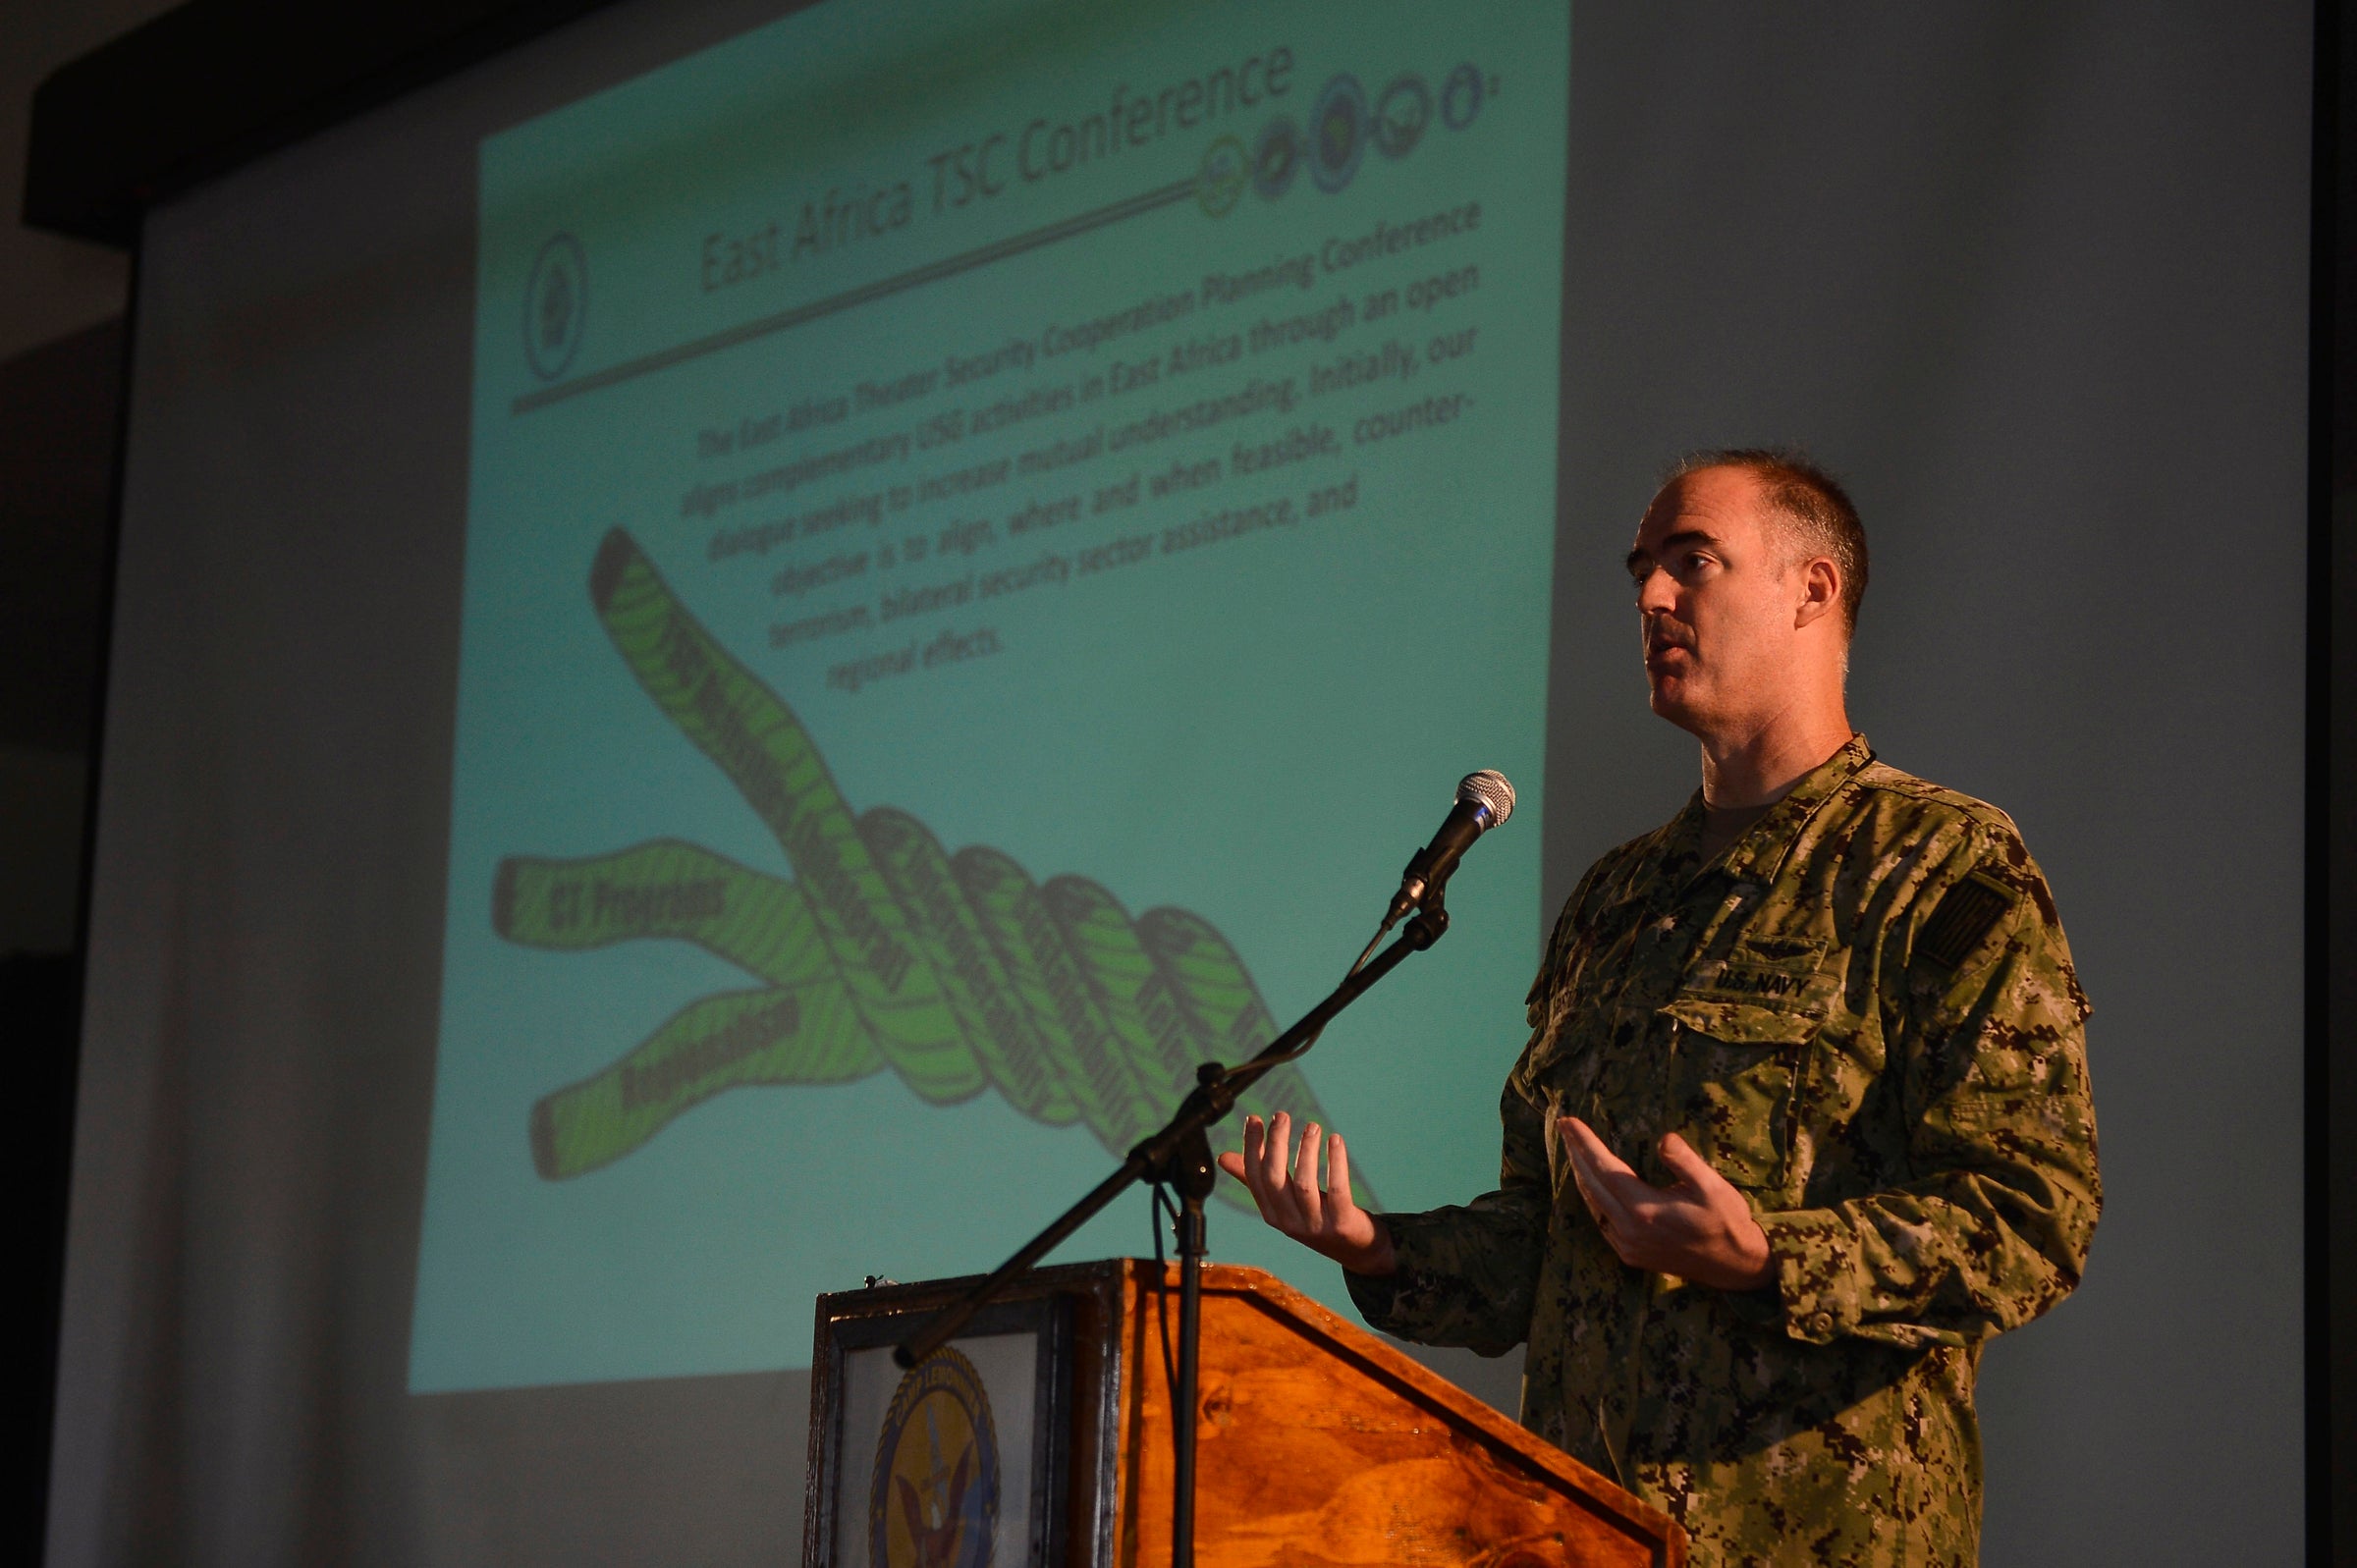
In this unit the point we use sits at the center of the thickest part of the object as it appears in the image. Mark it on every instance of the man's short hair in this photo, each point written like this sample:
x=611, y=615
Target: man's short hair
x=1821, y=519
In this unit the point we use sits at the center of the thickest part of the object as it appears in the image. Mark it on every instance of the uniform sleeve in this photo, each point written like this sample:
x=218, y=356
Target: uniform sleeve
x=1468, y=1276
x=1991, y=1225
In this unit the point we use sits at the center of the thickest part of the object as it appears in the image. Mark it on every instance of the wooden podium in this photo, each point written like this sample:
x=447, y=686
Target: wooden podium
x=1042, y=1436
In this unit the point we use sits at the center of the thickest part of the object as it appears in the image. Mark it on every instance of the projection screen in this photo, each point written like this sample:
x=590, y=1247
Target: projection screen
x=745, y=632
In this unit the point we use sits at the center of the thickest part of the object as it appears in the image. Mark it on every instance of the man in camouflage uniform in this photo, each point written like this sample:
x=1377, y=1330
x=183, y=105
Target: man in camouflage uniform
x=1828, y=1014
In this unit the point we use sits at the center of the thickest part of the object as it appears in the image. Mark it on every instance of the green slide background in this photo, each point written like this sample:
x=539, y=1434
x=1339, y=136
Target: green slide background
x=1211, y=761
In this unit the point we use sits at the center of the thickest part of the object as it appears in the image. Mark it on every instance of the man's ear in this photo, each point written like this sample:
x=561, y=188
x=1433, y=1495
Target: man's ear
x=1820, y=592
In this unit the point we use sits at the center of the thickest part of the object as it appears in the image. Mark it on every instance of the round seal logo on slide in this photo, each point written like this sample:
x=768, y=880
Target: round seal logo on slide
x=934, y=1502
x=1338, y=132
x=1275, y=157
x=556, y=305
x=1460, y=96
x=1222, y=180
x=1401, y=115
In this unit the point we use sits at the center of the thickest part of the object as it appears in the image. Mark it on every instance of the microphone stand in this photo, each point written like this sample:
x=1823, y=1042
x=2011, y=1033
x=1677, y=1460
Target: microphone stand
x=1180, y=1154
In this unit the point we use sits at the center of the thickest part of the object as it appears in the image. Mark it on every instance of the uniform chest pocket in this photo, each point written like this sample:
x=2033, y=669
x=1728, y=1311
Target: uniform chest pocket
x=1736, y=1071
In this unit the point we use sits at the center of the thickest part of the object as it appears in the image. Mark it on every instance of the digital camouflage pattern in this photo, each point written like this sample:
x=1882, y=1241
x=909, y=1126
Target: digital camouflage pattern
x=1864, y=1015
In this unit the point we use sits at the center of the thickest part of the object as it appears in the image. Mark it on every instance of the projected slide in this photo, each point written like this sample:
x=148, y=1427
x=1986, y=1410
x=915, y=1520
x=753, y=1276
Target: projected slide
x=993, y=531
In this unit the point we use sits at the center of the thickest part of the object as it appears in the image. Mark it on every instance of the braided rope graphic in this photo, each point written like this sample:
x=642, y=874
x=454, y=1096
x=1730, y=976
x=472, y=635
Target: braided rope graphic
x=955, y=971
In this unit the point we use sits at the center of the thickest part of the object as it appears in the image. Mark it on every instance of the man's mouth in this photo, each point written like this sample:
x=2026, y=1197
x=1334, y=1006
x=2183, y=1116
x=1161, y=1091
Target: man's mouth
x=1660, y=645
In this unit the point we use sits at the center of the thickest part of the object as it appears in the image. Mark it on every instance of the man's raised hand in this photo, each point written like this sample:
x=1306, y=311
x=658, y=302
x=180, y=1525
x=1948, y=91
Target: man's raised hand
x=1697, y=1228
x=1324, y=1218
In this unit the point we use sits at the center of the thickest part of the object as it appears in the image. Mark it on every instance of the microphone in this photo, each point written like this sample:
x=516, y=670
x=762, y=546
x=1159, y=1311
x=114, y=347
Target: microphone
x=1483, y=801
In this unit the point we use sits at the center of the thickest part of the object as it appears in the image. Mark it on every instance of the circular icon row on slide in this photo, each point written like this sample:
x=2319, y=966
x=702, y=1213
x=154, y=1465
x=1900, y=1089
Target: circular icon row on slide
x=1341, y=126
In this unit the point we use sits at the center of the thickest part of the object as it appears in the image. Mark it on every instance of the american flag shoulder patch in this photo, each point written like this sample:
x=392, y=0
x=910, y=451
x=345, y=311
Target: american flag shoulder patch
x=1964, y=917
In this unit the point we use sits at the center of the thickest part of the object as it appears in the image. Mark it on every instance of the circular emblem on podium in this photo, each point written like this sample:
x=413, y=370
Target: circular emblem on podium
x=934, y=1502
x=556, y=305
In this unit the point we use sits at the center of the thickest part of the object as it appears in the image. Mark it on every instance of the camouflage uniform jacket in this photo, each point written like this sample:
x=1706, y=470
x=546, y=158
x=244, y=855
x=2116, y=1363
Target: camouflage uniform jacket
x=1864, y=1015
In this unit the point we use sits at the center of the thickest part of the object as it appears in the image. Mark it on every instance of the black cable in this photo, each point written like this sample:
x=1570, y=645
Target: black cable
x=1164, y=1202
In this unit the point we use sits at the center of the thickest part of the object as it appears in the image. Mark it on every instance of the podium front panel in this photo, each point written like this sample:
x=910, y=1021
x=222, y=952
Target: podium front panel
x=1321, y=1446
x=962, y=1462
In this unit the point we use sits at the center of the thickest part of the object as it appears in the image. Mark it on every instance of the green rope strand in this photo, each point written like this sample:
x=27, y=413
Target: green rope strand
x=955, y=971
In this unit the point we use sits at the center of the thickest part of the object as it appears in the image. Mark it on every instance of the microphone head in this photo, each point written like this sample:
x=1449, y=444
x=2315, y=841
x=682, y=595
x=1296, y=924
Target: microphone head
x=1488, y=791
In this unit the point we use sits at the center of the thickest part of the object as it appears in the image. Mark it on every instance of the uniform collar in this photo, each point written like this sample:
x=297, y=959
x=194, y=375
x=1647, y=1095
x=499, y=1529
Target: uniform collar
x=1757, y=854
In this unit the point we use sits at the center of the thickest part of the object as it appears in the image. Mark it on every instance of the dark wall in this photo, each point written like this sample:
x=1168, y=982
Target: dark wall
x=2332, y=821
x=58, y=420
x=59, y=416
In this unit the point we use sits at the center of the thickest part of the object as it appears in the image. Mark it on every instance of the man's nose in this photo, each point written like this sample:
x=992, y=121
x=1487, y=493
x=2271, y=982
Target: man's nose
x=1657, y=592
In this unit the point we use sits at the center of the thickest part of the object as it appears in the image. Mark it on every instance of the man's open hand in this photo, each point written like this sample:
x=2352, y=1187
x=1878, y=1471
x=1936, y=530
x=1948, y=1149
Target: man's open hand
x=1321, y=1219
x=1699, y=1228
